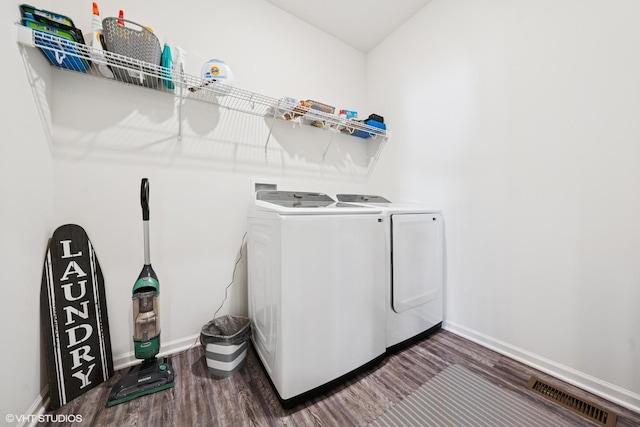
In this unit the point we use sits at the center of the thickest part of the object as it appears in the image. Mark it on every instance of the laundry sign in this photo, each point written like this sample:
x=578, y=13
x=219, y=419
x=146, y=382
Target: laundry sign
x=74, y=316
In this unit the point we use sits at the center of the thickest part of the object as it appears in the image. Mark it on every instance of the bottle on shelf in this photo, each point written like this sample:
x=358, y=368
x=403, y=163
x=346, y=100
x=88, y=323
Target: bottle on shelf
x=97, y=49
x=179, y=65
x=166, y=61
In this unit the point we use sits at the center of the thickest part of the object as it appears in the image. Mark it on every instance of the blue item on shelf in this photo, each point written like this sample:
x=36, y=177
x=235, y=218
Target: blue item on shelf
x=369, y=122
x=59, y=46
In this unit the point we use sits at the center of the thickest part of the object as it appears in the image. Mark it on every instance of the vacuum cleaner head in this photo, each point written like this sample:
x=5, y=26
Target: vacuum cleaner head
x=150, y=376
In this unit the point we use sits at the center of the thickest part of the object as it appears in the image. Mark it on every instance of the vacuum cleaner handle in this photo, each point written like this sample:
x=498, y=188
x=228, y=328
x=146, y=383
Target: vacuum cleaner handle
x=144, y=201
x=144, y=198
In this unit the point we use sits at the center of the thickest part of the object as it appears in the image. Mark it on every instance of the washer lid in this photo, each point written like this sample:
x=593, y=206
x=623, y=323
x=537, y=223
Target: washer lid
x=300, y=202
x=384, y=204
x=361, y=198
x=295, y=199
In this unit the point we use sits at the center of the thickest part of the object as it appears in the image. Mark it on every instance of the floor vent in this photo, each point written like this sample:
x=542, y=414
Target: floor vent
x=589, y=410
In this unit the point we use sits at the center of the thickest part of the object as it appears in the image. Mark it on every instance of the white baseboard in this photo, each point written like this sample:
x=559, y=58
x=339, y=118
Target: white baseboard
x=608, y=391
x=37, y=408
x=122, y=361
x=172, y=347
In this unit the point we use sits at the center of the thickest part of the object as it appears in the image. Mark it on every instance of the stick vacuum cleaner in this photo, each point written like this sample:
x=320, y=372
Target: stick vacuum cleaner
x=153, y=374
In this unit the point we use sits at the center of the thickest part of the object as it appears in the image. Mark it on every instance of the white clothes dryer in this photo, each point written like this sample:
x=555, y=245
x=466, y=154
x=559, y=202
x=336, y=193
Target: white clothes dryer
x=414, y=260
x=316, y=290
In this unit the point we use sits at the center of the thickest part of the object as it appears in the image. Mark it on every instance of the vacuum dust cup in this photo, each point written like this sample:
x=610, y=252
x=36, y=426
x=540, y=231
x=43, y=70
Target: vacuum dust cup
x=146, y=322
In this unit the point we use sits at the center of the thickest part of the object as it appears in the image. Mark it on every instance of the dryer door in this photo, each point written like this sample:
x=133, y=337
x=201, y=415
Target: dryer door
x=417, y=259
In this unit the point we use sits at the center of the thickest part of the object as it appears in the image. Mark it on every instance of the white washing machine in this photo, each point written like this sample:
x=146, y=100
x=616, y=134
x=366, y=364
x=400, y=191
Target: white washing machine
x=316, y=290
x=414, y=259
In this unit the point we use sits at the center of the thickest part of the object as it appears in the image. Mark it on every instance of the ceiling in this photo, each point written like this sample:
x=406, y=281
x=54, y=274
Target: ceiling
x=361, y=24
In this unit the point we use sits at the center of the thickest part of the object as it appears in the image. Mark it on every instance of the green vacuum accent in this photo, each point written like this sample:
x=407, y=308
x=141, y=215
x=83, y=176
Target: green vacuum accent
x=145, y=282
x=146, y=349
x=139, y=394
x=152, y=375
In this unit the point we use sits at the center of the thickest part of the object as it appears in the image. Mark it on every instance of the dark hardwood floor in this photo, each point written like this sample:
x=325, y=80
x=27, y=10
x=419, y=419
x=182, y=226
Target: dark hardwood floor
x=247, y=399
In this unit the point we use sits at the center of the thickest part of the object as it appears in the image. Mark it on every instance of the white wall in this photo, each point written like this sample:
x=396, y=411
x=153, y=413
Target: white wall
x=106, y=136
x=77, y=147
x=520, y=120
x=26, y=219
x=517, y=119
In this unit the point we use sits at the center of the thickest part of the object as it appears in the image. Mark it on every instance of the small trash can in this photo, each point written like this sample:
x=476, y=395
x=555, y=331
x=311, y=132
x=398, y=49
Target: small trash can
x=225, y=341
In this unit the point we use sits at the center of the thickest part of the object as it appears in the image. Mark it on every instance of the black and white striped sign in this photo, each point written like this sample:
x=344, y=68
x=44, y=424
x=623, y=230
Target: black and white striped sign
x=74, y=316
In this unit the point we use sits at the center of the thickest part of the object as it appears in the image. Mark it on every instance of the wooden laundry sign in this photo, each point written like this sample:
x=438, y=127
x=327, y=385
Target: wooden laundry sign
x=74, y=316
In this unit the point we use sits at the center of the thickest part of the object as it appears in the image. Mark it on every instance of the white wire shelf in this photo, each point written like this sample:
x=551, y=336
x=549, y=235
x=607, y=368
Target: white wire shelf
x=67, y=54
